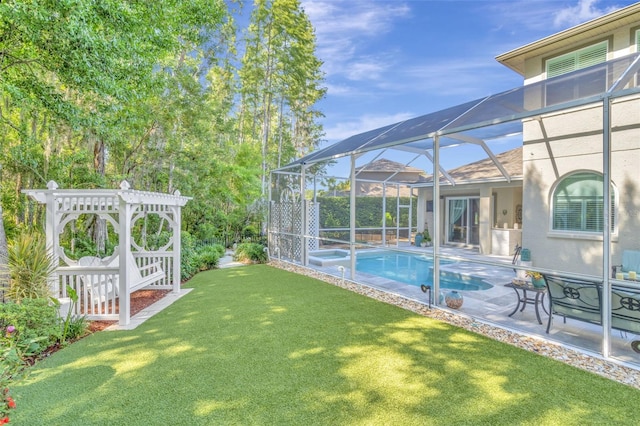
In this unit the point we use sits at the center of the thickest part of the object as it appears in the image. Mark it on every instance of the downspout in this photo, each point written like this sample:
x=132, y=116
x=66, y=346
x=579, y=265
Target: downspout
x=436, y=220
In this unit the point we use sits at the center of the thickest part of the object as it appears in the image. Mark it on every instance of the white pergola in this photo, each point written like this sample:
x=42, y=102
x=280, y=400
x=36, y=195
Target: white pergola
x=104, y=286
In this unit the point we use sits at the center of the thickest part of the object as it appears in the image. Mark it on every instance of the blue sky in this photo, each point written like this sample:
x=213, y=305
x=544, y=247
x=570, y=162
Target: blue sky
x=386, y=61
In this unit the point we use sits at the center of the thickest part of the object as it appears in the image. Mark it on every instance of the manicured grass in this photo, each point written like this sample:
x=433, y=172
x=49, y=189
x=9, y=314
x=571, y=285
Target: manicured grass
x=258, y=345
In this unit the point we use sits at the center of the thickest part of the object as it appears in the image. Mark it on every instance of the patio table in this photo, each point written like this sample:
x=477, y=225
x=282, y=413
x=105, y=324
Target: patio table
x=521, y=288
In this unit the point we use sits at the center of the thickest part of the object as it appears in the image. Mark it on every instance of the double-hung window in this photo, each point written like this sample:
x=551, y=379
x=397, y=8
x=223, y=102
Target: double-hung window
x=578, y=204
x=589, y=82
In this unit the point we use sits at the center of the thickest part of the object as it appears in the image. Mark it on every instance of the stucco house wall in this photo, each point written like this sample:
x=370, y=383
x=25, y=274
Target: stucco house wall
x=572, y=140
x=566, y=142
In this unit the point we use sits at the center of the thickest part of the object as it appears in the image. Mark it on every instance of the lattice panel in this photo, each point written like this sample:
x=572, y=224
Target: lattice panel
x=296, y=225
x=286, y=225
x=313, y=225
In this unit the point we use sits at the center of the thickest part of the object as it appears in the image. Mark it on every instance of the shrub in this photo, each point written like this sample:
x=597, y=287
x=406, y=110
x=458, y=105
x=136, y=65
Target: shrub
x=189, y=263
x=30, y=266
x=208, y=256
x=76, y=328
x=73, y=327
x=36, y=323
x=250, y=252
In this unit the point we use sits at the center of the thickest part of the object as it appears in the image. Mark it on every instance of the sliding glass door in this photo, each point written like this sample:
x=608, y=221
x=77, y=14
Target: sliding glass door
x=463, y=219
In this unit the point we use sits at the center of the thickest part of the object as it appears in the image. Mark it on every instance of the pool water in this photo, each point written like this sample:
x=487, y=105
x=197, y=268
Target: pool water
x=415, y=269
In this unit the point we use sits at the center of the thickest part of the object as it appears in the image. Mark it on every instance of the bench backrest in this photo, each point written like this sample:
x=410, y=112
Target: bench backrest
x=575, y=298
x=625, y=308
x=582, y=300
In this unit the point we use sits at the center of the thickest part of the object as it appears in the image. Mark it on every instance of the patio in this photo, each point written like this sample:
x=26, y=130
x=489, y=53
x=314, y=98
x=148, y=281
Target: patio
x=494, y=305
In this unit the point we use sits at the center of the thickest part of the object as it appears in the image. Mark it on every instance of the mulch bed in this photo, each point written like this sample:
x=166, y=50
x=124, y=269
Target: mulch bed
x=140, y=300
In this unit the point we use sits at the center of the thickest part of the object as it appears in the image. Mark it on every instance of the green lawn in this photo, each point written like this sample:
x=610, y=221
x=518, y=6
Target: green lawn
x=258, y=345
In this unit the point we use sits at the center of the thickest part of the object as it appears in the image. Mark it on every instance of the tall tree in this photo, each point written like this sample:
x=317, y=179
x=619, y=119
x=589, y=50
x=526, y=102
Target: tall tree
x=280, y=84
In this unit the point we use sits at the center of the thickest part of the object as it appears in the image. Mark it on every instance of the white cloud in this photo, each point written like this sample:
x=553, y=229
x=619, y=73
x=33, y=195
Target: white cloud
x=347, y=17
x=345, y=129
x=453, y=76
x=368, y=69
x=343, y=27
x=339, y=89
x=584, y=11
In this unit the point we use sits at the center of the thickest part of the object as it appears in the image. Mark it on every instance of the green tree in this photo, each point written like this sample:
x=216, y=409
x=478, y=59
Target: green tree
x=280, y=84
x=78, y=80
x=92, y=93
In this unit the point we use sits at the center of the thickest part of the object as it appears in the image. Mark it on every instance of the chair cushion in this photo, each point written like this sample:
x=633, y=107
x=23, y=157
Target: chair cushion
x=630, y=260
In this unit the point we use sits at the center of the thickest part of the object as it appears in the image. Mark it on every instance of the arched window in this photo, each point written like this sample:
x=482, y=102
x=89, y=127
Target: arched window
x=578, y=204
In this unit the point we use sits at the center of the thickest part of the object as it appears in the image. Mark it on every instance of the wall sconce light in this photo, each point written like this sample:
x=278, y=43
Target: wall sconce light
x=504, y=212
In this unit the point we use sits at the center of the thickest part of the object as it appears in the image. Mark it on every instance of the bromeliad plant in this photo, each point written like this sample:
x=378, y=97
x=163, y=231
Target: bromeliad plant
x=30, y=266
x=78, y=325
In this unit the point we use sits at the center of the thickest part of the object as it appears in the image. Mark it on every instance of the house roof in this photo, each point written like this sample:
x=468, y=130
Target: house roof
x=515, y=59
x=385, y=165
x=486, y=169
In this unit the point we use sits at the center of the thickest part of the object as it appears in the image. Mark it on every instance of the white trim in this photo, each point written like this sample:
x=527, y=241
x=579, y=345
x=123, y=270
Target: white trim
x=586, y=235
x=466, y=242
x=577, y=59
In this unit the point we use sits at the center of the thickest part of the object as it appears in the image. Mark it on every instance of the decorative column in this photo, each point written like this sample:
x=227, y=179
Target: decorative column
x=124, y=221
x=53, y=236
x=485, y=220
x=177, y=220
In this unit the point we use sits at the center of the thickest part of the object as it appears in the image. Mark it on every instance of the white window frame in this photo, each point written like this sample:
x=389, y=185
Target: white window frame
x=563, y=90
x=582, y=233
x=468, y=199
x=578, y=59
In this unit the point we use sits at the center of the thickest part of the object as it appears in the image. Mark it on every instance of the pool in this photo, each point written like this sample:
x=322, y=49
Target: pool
x=329, y=257
x=416, y=269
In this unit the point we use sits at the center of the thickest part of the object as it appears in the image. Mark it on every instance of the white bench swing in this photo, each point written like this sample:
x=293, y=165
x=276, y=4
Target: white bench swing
x=102, y=287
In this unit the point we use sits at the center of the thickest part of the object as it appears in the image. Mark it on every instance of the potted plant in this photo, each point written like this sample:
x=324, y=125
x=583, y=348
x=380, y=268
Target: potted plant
x=536, y=279
x=426, y=238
